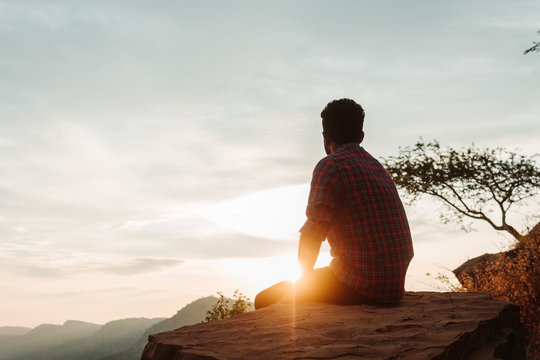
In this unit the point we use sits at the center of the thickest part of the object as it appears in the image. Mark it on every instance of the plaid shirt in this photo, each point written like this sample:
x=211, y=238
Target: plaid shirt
x=354, y=203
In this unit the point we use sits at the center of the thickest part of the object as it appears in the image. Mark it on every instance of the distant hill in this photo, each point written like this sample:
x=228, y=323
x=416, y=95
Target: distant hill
x=43, y=338
x=13, y=330
x=114, y=335
x=77, y=340
x=190, y=314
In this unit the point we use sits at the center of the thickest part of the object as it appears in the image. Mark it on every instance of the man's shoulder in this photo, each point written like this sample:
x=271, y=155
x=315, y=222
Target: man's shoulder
x=326, y=164
x=331, y=160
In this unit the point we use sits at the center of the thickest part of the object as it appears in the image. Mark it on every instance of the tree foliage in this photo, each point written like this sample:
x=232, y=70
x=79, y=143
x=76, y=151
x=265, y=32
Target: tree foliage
x=535, y=47
x=222, y=310
x=481, y=184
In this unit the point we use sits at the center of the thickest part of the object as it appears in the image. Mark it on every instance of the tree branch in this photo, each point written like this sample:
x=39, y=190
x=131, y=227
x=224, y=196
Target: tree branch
x=461, y=211
x=460, y=199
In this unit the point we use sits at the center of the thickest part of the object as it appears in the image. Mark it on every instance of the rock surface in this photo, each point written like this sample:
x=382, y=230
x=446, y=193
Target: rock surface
x=425, y=325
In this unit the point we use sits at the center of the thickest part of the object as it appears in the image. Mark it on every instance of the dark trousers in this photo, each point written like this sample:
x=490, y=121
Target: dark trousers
x=320, y=286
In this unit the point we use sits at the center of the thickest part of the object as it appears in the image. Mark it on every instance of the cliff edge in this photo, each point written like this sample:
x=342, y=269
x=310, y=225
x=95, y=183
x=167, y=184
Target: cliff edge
x=424, y=325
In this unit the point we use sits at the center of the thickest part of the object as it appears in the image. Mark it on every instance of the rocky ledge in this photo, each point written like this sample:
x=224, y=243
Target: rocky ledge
x=425, y=325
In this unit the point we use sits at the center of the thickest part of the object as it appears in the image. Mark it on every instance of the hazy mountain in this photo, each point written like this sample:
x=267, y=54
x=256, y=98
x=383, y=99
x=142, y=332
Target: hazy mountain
x=76, y=340
x=43, y=338
x=13, y=330
x=111, y=337
x=190, y=314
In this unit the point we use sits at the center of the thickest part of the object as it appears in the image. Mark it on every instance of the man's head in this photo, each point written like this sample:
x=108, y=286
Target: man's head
x=342, y=121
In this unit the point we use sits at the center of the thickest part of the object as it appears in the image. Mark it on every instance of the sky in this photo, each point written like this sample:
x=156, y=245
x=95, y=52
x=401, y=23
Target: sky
x=154, y=152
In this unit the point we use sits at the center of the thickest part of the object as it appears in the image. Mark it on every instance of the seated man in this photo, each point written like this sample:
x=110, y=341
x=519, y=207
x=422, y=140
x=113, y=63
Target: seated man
x=354, y=204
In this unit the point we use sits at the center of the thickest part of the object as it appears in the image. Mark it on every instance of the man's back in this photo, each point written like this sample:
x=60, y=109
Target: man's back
x=355, y=204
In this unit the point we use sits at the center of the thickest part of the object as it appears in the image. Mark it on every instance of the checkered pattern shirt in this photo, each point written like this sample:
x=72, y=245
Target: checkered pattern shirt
x=354, y=203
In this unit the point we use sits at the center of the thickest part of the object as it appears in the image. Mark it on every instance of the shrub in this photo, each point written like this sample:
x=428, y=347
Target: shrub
x=515, y=277
x=221, y=309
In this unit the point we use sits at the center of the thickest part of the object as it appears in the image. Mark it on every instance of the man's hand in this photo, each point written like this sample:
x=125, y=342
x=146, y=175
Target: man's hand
x=308, y=251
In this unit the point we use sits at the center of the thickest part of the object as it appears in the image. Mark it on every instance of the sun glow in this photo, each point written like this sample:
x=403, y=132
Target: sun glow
x=276, y=213
x=296, y=273
x=257, y=274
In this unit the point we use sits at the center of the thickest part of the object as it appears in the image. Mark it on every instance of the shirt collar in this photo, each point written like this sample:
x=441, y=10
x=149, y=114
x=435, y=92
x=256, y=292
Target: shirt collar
x=348, y=146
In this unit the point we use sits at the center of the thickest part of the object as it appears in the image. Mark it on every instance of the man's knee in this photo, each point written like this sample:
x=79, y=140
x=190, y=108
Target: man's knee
x=265, y=298
x=259, y=300
x=272, y=295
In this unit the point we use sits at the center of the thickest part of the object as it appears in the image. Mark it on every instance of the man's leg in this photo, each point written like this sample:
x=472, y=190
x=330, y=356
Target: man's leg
x=320, y=286
x=273, y=294
x=323, y=286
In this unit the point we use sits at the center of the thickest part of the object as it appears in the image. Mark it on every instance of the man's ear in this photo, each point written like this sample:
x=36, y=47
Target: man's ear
x=326, y=139
x=361, y=137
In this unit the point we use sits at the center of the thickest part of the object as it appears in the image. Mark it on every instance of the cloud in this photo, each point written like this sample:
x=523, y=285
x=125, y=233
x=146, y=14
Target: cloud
x=214, y=244
x=14, y=267
x=140, y=266
x=37, y=271
x=236, y=245
x=65, y=268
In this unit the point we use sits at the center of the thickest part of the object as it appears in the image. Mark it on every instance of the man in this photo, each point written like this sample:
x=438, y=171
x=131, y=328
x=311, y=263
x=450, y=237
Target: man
x=354, y=204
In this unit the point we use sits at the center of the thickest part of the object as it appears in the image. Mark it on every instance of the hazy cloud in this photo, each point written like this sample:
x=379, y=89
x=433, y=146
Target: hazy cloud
x=65, y=268
x=140, y=266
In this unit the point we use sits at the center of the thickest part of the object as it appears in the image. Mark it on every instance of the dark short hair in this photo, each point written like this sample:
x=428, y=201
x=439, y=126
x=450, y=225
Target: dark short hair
x=343, y=120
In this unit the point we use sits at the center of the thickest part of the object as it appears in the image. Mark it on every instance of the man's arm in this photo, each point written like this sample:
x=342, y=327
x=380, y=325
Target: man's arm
x=308, y=251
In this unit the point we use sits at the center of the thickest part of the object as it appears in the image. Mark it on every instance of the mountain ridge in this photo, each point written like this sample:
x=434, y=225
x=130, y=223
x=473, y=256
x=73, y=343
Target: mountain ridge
x=122, y=339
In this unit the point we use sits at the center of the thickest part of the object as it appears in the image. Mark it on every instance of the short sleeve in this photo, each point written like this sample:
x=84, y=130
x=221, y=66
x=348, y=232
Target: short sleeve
x=321, y=201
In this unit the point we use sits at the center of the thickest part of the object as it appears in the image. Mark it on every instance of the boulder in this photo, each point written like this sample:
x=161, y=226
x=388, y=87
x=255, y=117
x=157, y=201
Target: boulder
x=470, y=268
x=424, y=325
x=468, y=272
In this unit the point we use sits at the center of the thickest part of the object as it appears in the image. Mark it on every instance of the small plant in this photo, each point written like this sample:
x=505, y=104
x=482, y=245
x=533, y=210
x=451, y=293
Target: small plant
x=221, y=309
x=445, y=283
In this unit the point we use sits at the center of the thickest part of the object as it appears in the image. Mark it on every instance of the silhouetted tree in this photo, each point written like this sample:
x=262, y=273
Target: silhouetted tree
x=476, y=183
x=535, y=47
